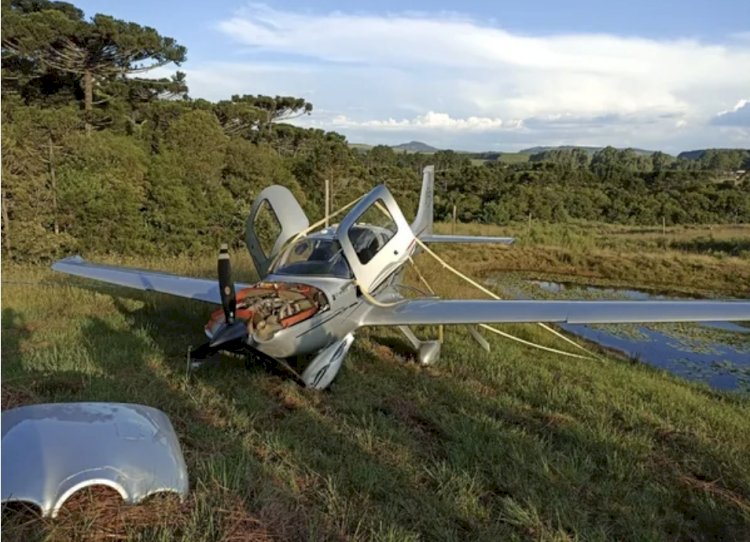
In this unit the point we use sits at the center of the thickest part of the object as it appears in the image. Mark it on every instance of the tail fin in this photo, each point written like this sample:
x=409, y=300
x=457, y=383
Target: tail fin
x=422, y=225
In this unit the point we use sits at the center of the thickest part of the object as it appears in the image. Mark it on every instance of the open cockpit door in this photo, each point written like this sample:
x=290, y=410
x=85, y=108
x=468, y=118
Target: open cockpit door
x=276, y=217
x=375, y=237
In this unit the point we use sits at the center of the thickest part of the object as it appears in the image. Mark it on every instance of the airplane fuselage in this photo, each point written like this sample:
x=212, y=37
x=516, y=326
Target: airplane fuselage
x=343, y=313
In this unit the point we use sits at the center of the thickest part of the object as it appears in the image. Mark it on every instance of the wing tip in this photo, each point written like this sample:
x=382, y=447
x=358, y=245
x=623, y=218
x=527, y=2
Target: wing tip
x=76, y=260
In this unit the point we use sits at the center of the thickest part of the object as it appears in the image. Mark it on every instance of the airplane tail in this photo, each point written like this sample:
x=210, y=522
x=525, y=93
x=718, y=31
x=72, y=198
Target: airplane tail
x=422, y=224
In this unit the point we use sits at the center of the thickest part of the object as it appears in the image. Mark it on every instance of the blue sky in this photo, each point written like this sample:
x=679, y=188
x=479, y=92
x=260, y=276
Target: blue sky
x=478, y=75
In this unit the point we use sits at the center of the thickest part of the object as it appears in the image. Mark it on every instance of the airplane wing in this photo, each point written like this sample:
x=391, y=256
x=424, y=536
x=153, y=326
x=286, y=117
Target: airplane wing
x=444, y=311
x=430, y=238
x=206, y=290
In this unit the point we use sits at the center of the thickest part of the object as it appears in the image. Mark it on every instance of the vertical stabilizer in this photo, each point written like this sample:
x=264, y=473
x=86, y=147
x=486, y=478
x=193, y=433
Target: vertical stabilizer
x=422, y=225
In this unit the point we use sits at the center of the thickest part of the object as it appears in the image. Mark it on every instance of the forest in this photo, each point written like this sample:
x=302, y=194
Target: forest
x=98, y=157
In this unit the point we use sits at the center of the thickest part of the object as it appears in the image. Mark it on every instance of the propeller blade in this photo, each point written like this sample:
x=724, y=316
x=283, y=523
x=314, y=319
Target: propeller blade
x=229, y=332
x=226, y=286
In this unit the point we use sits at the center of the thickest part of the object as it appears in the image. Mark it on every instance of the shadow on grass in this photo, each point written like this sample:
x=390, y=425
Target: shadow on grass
x=132, y=371
x=419, y=454
x=15, y=332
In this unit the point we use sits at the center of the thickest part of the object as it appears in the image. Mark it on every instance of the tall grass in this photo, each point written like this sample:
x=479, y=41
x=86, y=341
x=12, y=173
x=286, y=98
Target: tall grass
x=708, y=260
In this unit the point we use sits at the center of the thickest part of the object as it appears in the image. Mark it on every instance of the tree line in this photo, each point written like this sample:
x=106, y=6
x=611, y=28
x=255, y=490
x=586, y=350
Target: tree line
x=97, y=157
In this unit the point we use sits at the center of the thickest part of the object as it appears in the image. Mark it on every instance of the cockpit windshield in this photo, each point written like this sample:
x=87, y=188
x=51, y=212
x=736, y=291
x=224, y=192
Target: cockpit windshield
x=313, y=256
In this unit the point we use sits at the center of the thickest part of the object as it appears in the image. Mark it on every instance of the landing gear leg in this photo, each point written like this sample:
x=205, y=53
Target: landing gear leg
x=427, y=351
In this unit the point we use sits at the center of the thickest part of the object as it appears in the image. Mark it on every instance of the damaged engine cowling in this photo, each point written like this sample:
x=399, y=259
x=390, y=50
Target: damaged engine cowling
x=268, y=307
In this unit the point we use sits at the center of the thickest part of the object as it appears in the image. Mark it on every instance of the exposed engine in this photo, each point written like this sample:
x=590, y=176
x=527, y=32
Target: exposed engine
x=268, y=307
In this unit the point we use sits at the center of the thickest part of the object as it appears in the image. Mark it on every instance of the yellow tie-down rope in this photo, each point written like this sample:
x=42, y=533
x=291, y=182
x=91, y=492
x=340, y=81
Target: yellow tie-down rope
x=371, y=299
x=493, y=295
x=490, y=293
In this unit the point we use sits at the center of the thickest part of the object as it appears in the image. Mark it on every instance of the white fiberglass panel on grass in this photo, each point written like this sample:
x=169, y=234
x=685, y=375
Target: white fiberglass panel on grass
x=50, y=451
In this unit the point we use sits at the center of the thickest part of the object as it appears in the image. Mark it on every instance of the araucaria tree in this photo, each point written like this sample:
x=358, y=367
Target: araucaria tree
x=50, y=44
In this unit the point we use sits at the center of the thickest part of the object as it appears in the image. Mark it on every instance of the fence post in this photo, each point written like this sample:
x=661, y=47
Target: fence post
x=328, y=200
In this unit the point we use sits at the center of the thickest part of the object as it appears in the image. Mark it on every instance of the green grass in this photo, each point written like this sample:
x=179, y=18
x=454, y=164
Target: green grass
x=514, y=158
x=516, y=444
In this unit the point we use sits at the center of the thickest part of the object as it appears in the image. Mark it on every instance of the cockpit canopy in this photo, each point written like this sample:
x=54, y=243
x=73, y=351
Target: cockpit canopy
x=370, y=243
x=313, y=256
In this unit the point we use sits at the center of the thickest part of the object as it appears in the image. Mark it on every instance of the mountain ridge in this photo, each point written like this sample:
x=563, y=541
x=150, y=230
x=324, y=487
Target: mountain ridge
x=415, y=146
x=421, y=147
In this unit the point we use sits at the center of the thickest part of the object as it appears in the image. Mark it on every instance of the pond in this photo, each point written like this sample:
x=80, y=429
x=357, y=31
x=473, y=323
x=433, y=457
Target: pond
x=717, y=353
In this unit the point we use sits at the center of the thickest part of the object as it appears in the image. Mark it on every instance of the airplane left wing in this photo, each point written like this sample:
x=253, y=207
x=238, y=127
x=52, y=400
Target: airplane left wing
x=445, y=311
x=206, y=290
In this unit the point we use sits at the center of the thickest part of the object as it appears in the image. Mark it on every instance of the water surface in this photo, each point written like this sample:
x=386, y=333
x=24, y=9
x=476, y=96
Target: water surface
x=717, y=353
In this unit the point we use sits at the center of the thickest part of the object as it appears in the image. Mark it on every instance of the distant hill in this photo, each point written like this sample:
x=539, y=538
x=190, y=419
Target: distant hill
x=692, y=155
x=519, y=156
x=590, y=150
x=537, y=150
x=411, y=146
x=698, y=153
x=414, y=146
x=361, y=147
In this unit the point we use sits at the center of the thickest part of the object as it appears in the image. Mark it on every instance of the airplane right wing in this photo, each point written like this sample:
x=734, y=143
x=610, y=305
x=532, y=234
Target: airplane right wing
x=449, y=311
x=206, y=290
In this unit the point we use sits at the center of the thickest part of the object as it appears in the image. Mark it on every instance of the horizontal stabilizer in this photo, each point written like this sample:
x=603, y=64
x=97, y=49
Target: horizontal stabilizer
x=466, y=239
x=141, y=279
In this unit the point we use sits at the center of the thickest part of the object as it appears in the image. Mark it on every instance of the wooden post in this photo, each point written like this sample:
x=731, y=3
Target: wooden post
x=664, y=226
x=454, y=220
x=53, y=186
x=328, y=200
x=6, y=227
x=529, y=228
x=88, y=98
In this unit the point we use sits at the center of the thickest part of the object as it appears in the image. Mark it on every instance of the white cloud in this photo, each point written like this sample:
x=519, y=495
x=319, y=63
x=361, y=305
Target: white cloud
x=739, y=115
x=430, y=120
x=426, y=73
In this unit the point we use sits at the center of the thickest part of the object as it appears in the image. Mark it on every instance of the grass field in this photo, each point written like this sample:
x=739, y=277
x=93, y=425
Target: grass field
x=706, y=260
x=514, y=158
x=516, y=444
x=505, y=158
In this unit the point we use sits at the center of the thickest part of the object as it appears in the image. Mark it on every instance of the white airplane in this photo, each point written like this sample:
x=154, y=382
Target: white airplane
x=318, y=288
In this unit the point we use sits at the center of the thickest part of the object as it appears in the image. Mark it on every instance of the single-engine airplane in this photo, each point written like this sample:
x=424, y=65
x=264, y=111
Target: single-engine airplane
x=317, y=288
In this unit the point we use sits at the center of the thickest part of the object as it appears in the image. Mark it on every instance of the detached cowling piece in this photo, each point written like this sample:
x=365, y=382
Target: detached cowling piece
x=50, y=451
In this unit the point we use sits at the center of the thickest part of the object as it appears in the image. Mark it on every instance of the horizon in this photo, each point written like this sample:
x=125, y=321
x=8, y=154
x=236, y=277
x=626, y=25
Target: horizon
x=463, y=76
x=526, y=149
